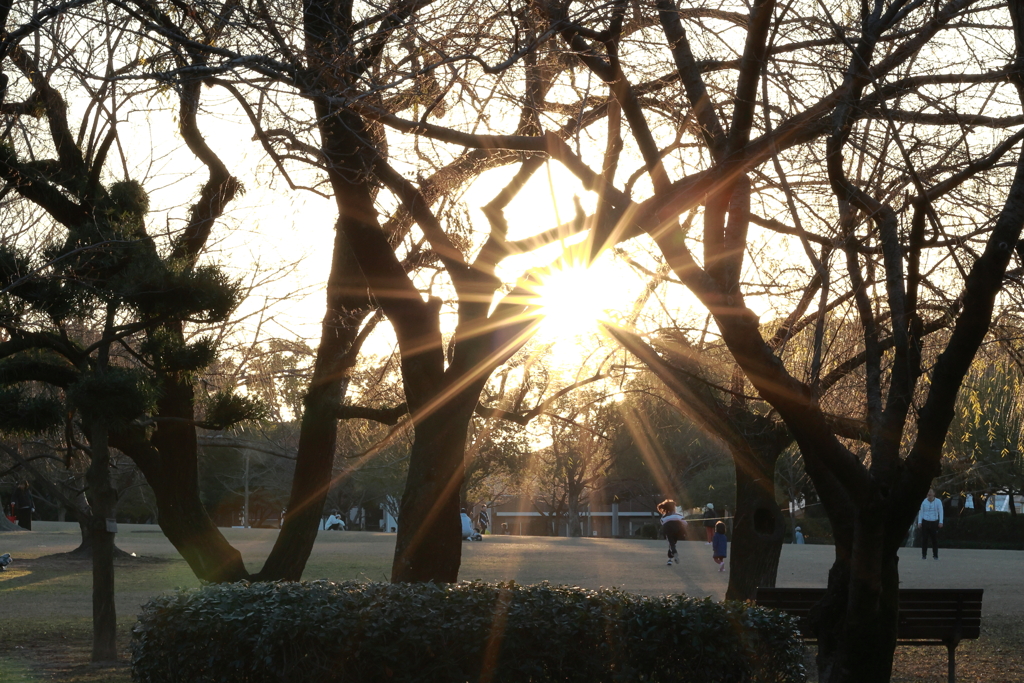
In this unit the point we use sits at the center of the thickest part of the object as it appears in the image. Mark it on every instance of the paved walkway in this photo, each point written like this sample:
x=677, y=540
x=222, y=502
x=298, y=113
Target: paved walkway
x=639, y=566
x=632, y=565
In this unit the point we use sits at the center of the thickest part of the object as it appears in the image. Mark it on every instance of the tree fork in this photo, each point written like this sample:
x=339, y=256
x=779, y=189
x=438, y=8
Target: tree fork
x=174, y=476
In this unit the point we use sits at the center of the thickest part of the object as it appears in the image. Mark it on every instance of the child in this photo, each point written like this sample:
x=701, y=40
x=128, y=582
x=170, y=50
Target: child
x=672, y=524
x=718, y=545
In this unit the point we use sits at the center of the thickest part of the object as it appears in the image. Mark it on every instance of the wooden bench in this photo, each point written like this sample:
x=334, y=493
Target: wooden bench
x=928, y=616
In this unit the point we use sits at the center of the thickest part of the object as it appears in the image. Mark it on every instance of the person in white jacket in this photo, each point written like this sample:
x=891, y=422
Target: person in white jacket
x=468, y=532
x=929, y=521
x=334, y=522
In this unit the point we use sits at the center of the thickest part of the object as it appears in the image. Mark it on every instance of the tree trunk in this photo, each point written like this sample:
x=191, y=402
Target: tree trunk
x=335, y=357
x=174, y=476
x=759, y=526
x=103, y=502
x=429, y=543
x=856, y=623
x=573, y=516
x=826, y=618
x=86, y=524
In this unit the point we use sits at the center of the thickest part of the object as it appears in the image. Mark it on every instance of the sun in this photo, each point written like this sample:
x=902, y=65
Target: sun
x=573, y=297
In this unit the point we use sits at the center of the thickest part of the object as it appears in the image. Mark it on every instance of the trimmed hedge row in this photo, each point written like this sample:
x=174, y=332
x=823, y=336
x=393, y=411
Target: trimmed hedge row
x=467, y=632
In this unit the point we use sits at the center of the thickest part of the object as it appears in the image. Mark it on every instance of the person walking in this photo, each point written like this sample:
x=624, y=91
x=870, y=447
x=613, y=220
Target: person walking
x=929, y=521
x=709, y=521
x=673, y=526
x=719, y=546
x=24, y=506
x=483, y=521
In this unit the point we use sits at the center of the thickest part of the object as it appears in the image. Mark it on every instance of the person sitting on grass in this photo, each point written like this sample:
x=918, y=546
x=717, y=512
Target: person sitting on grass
x=334, y=522
x=719, y=544
x=468, y=532
x=673, y=526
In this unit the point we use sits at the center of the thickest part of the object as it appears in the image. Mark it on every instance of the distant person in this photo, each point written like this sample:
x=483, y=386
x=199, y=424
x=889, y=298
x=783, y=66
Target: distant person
x=709, y=521
x=673, y=526
x=929, y=521
x=468, y=532
x=334, y=522
x=504, y=529
x=798, y=536
x=483, y=521
x=719, y=545
x=24, y=506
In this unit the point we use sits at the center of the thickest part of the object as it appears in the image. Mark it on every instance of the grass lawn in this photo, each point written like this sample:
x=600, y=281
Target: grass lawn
x=45, y=601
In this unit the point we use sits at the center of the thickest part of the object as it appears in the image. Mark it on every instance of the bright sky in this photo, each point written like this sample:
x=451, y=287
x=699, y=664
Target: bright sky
x=279, y=240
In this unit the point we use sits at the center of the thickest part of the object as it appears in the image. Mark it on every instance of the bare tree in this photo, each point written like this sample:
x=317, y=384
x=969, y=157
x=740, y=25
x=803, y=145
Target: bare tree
x=848, y=130
x=889, y=228
x=580, y=453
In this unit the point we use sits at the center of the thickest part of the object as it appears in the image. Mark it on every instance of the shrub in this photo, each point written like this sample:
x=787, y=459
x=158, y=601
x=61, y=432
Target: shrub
x=815, y=526
x=649, y=531
x=467, y=632
x=1000, y=530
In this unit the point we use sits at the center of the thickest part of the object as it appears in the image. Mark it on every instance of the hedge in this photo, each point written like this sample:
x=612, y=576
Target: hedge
x=467, y=632
x=1000, y=530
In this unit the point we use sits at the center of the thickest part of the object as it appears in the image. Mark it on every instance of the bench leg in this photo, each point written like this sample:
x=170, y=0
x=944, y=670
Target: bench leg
x=951, y=666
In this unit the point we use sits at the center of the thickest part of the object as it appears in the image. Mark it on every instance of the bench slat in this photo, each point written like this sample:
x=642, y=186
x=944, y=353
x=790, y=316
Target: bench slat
x=937, y=614
x=937, y=634
x=924, y=614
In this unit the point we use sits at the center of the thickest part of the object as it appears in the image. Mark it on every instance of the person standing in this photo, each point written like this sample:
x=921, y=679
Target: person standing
x=24, y=506
x=483, y=521
x=709, y=521
x=719, y=546
x=798, y=536
x=929, y=521
x=673, y=526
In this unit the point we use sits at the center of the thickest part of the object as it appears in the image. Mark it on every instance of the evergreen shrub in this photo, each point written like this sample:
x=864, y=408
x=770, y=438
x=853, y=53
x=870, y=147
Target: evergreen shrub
x=468, y=632
x=996, y=530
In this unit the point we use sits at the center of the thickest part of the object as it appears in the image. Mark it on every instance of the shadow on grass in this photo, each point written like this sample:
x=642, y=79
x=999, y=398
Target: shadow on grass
x=59, y=652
